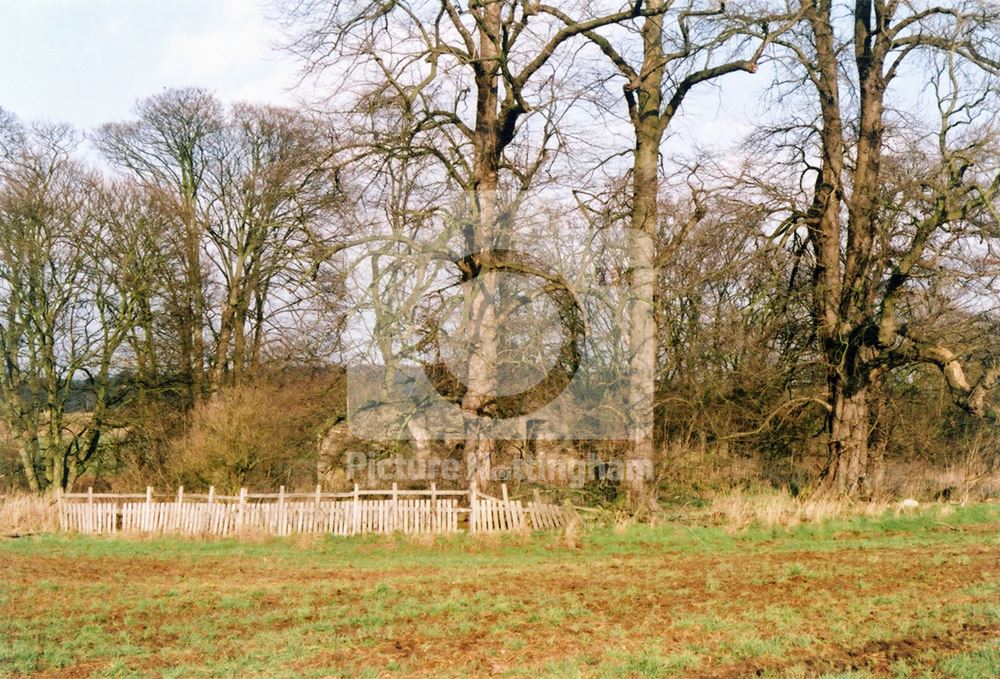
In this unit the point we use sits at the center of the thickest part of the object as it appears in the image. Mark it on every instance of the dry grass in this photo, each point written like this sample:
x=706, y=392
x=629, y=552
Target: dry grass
x=22, y=514
x=571, y=533
x=738, y=509
x=971, y=481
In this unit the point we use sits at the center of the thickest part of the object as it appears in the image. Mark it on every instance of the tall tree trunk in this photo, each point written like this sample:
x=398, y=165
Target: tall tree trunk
x=642, y=323
x=648, y=126
x=196, y=314
x=28, y=453
x=257, y=336
x=144, y=348
x=231, y=316
x=194, y=297
x=479, y=401
x=226, y=329
x=55, y=453
x=240, y=342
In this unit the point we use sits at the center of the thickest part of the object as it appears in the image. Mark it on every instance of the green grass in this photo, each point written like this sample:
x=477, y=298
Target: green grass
x=662, y=601
x=984, y=662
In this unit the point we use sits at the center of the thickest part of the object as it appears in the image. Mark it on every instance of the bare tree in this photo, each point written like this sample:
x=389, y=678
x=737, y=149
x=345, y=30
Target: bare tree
x=165, y=148
x=875, y=233
x=63, y=321
x=272, y=189
x=677, y=39
x=134, y=247
x=491, y=54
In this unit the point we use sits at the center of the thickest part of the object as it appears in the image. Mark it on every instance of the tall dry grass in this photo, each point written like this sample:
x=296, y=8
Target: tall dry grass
x=23, y=514
x=972, y=480
x=738, y=509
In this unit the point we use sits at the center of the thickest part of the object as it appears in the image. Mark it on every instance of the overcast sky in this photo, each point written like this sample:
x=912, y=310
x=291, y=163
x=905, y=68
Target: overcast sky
x=86, y=61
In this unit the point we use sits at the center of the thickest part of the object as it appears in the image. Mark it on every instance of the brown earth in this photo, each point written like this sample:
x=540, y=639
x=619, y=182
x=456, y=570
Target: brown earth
x=852, y=608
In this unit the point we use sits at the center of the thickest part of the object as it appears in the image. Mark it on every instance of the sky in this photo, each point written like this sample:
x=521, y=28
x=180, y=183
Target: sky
x=86, y=62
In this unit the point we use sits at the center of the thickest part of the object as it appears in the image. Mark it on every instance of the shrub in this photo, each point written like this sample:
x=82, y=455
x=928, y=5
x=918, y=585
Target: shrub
x=259, y=435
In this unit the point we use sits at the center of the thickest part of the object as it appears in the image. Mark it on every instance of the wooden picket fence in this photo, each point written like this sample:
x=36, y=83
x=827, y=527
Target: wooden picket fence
x=361, y=511
x=493, y=515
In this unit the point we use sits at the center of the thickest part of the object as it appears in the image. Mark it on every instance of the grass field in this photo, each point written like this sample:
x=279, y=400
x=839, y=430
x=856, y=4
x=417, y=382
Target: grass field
x=896, y=597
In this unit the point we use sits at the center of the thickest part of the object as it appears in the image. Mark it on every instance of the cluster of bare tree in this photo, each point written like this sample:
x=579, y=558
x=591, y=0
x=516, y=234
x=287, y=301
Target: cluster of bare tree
x=804, y=291
x=878, y=219
x=161, y=279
